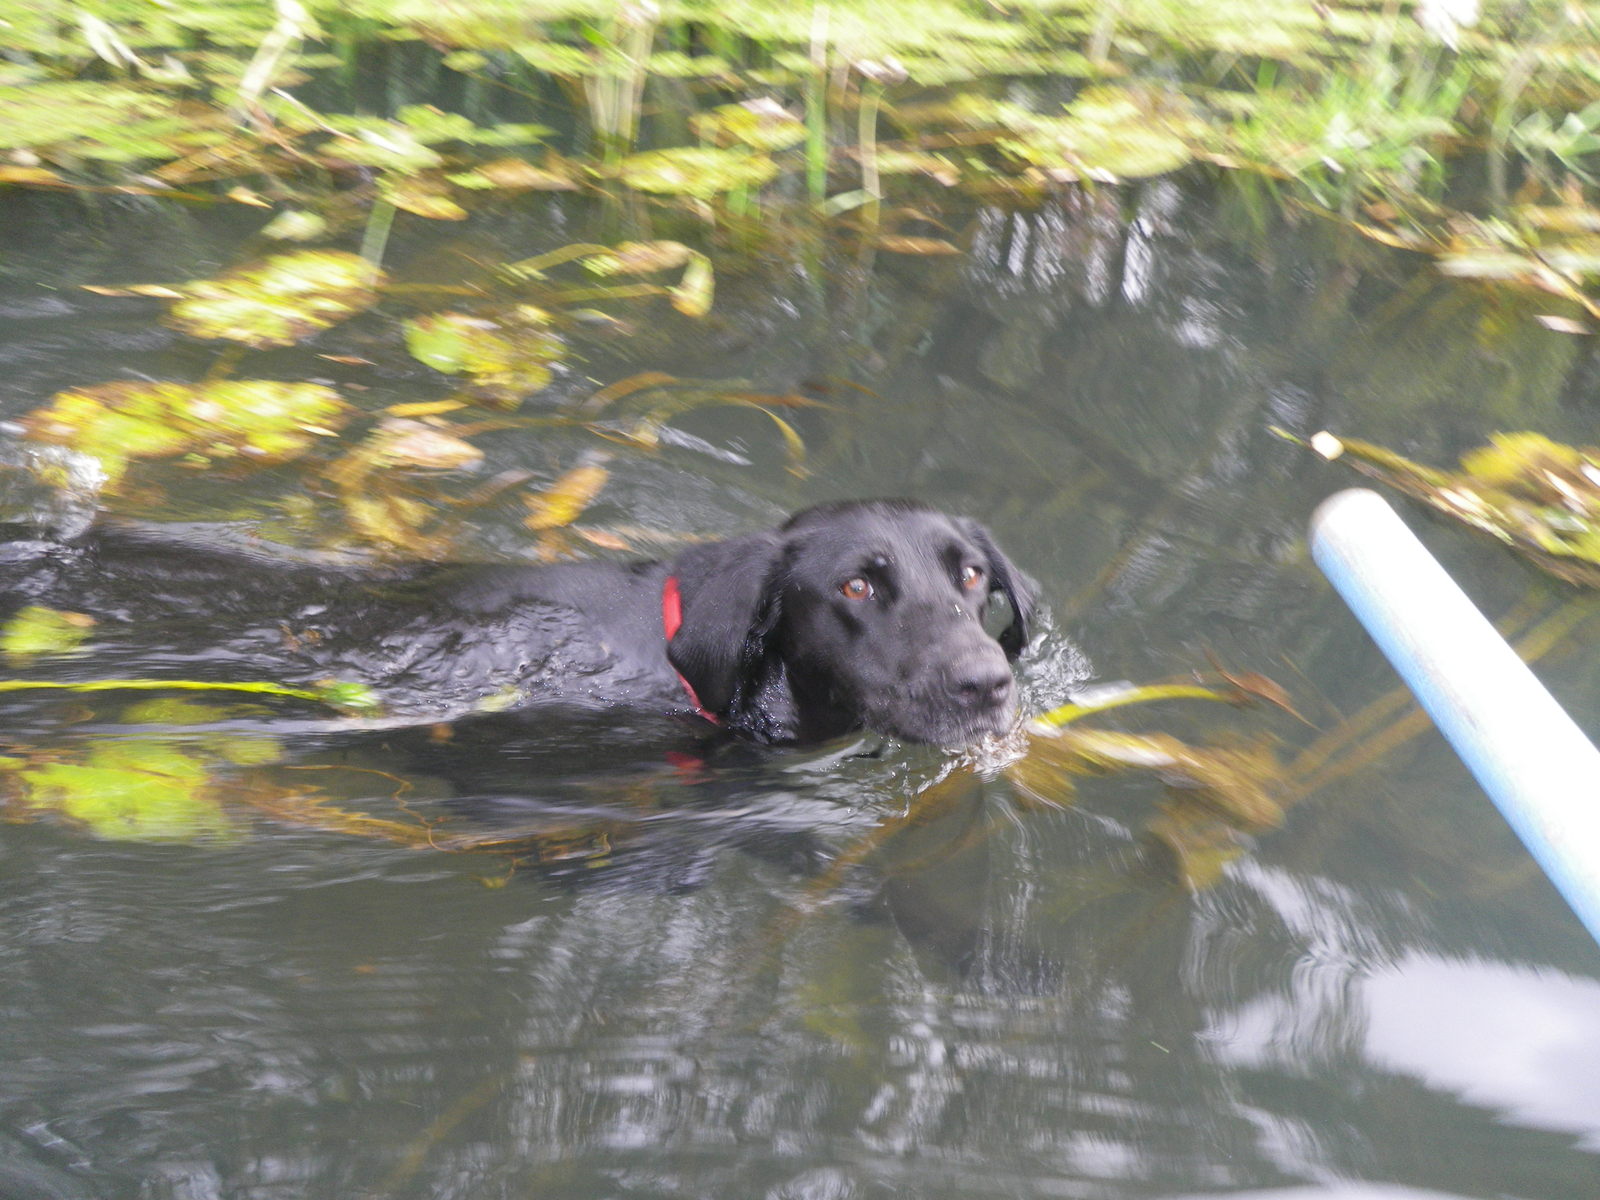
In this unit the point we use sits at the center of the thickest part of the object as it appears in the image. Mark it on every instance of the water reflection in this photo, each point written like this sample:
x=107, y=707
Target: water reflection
x=725, y=994
x=1523, y=1043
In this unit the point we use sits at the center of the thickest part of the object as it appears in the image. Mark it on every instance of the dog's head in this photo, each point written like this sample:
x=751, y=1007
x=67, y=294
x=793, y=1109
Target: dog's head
x=864, y=614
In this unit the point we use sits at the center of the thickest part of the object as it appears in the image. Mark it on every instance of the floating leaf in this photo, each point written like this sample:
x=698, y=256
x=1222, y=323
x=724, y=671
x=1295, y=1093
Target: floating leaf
x=1529, y=462
x=692, y=297
x=1537, y=256
x=507, y=356
x=557, y=59
x=373, y=506
x=760, y=124
x=1236, y=784
x=173, y=710
x=442, y=340
x=387, y=145
x=564, y=500
x=35, y=632
x=95, y=119
x=1563, y=219
x=403, y=442
x=1112, y=132
x=279, y=300
x=423, y=196
x=1500, y=264
x=916, y=245
x=295, y=225
x=1540, y=497
x=640, y=258
x=1215, y=795
x=432, y=126
x=133, y=790
x=512, y=175
x=246, y=749
x=241, y=749
x=253, y=418
x=702, y=172
x=382, y=517
x=671, y=65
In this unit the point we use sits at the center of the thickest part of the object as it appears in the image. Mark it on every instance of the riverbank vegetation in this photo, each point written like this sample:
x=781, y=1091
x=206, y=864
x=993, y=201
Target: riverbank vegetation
x=1464, y=131
x=817, y=133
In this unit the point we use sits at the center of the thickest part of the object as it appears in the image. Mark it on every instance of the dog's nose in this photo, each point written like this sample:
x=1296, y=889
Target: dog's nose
x=984, y=685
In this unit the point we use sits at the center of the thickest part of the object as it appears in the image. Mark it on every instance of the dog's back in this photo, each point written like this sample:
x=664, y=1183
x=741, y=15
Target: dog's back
x=433, y=641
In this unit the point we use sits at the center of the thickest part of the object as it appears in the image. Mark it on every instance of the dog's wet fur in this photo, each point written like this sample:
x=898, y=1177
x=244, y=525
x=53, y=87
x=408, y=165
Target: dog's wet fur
x=850, y=616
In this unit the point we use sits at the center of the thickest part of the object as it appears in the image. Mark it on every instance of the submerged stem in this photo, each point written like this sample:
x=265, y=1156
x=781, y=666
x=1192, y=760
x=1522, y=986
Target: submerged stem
x=345, y=697
x=817, y=108
x=1056, y=718
x=376, y=236
x=867, y=139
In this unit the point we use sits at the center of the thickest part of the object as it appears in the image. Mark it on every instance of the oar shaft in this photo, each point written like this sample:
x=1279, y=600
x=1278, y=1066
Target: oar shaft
x=1520, y=744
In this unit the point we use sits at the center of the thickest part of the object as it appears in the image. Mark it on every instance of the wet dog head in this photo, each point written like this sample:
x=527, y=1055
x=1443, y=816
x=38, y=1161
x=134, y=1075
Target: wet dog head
x=864, y=614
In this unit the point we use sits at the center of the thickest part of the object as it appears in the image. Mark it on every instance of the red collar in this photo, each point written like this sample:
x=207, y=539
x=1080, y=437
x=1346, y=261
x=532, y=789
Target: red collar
x=671, y=622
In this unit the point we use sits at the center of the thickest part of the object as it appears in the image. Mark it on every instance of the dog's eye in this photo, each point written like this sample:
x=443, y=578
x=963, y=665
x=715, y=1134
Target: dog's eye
x=856, y=588
x=971, y=578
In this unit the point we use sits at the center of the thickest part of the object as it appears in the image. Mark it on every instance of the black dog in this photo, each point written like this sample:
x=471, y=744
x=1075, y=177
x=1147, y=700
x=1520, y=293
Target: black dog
x=852, y=615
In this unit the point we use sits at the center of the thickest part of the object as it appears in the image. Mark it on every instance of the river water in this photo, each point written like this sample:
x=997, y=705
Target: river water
x=716, y=981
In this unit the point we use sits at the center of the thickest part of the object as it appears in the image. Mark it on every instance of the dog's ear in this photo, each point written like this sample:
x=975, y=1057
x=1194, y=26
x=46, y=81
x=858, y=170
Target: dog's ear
x=729, y=592
x=1019, y=590
x=763, y=705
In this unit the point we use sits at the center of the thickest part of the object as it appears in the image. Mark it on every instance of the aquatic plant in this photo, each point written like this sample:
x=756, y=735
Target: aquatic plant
x=118, y=423
x=34, y=631
x=503, y=337
x=1539, y=497
x=1339, y=96
x=744, y=113
x=169, y=785
x=124, y=790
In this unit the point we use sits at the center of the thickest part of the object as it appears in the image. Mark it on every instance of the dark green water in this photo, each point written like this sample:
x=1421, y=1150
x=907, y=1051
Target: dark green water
x=1381, y=998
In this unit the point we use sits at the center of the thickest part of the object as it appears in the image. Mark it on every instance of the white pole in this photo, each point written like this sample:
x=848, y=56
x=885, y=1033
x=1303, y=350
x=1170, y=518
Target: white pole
x=1529, y=755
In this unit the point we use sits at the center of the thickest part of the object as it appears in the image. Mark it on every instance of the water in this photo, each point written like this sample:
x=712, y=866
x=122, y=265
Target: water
x=719, y=981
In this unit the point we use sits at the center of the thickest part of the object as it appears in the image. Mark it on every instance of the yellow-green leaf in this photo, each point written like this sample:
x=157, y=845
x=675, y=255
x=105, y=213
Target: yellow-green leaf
x=128, y=791
x=278, y=300
x=263, y=420
x=507, y=356
x=36, y=631
x=562, y=502
x=760, y=124
x=700, y=171
x=512, y=175
x=422, y=197
x=692, y=297
x=403, y=442
x=295, y=225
